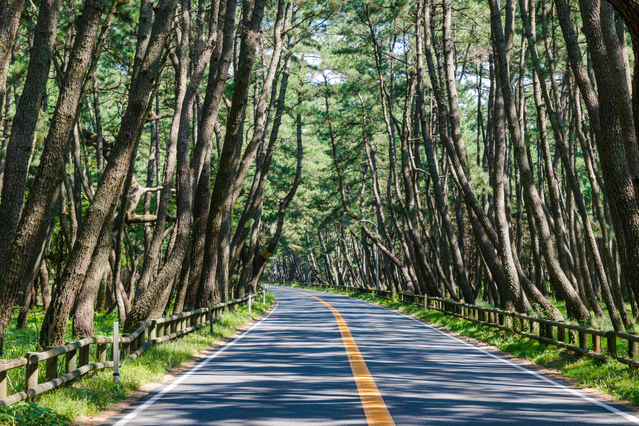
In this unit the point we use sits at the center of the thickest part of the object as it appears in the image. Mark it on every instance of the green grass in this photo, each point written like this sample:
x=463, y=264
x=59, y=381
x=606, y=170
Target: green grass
x=612, y=378
x=92, y=393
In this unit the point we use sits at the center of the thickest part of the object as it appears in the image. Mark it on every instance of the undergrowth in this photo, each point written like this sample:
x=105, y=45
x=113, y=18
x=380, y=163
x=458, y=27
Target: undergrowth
x=612, y=378
x=95, y=391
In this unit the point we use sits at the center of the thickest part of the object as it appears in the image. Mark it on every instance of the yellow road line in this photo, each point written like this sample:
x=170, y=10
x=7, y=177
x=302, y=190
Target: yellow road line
x=374, y=407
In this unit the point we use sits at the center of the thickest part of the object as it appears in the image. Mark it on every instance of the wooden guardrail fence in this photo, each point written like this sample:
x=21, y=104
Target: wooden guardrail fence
x=78, y=355
x=598, y=344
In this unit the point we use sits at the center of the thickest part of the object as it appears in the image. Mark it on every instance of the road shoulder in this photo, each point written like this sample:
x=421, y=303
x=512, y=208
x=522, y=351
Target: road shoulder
x=148, y=388
x=548, y=372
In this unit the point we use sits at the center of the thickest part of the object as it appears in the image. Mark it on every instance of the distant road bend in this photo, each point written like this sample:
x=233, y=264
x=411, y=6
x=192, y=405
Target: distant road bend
x=325, y=359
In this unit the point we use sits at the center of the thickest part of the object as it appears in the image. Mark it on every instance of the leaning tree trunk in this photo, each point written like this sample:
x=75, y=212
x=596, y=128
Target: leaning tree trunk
x=620, y=180
x=218, y=75
x=106, y=196
x=629, y=11
x=530, y=191
x=19, y=150
x=229, y=159
x=155, y=298
x=85, y=302
x=440, y=200
x=260, y=122
x=560, y=141
x=42, y=195
x=180, y=61
x=10, y=11
x=257, y=266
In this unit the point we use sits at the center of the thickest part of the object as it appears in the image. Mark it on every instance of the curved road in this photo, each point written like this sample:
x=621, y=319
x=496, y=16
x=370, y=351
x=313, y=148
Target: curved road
x=333, y=360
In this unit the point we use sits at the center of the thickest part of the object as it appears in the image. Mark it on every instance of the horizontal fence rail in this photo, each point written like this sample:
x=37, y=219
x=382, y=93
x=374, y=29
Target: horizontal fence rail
x=598, y=344
x=77, y=355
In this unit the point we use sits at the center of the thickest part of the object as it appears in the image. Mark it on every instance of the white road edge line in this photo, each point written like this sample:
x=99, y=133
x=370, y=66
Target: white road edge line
x=126, y=419
x=568, y=389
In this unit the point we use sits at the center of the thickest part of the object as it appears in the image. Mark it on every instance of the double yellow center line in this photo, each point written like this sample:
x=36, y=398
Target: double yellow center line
x=374, y=407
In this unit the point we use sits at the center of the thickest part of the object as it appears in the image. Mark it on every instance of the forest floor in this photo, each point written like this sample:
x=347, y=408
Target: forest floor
x=613, y=381
x=95, y=393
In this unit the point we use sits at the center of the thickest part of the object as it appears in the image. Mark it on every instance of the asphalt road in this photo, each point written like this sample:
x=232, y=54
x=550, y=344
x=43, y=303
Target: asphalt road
x=298, y=367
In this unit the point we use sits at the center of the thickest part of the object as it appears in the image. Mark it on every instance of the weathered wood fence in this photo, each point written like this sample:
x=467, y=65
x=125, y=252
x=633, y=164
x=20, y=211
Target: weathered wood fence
x=78, y=356
x=598, y=344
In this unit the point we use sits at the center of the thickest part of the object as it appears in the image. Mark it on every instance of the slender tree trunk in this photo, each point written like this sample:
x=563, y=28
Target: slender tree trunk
x=440, y=200
x=86, y=301
x=222, y=194
x=10, y=11
x=155, y=298
x=530, y=191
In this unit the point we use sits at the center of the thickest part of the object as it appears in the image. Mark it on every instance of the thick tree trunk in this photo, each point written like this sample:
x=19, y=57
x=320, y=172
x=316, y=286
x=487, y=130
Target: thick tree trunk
x=560, y=140
x=629, y=11
x=616, y=161
x=218, y=75
x=86, y=301
x=155, y=298
x=222, y=194
x=224, y=272
x=180, y=61
x=106, y=196
x=41, y=195
x=19, y=150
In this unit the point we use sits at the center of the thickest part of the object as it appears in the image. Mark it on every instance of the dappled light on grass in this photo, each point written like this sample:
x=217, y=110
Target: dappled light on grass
x=95, y=391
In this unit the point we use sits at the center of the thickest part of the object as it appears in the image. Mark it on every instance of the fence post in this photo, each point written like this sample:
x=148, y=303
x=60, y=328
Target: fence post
x=596, y=343
x=425, y=302
x=583, y=340
x=249, y=303
x=141, y=338
x=210, y=315
x=51, y=369
x=611, y=336
x=3, y=384
x=561, y=334
x=152, y=330
x=543, y=332
x=633, y=349
x=31, y=373
x=133, y=346
x=84, y=355
x=71, y=361
x=572, y=339
x=101, y=352
x=116, y=353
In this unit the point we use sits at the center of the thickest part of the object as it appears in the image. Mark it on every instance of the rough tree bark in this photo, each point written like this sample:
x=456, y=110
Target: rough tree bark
x=20, y=147
x=111, y=185
x=530, y=191
x=230, y=156
x=41, y=195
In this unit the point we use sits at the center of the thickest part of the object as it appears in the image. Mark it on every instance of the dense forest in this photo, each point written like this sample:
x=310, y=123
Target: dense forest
x=159, y=155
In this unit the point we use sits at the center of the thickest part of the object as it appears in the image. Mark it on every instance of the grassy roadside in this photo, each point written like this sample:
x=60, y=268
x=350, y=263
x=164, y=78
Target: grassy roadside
x=613, y=378
x=94, y=392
